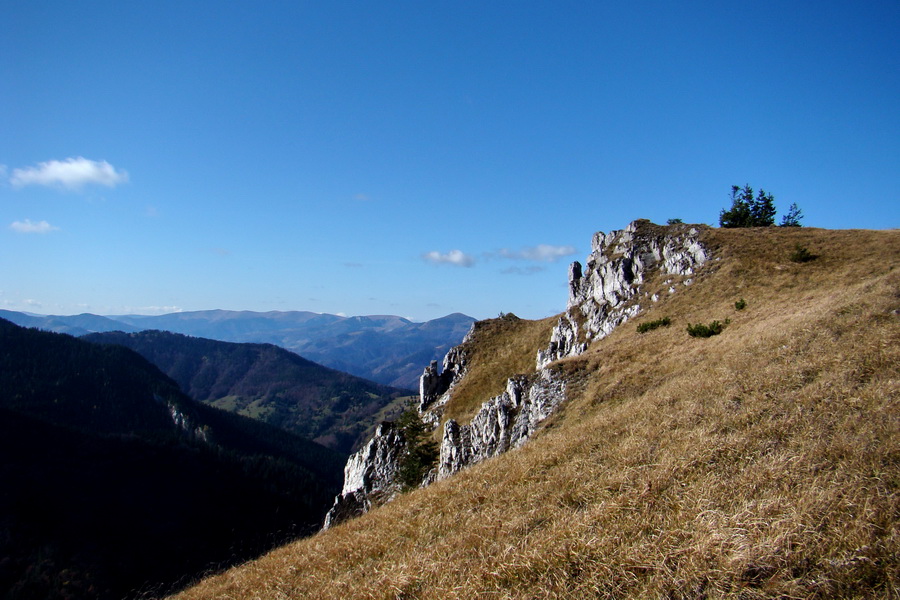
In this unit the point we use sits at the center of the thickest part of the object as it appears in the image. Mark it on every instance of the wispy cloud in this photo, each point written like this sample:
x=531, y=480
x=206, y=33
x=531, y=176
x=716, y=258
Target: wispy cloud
x=29, y=226
x=69, y=174
x=454, y=257
x=539, y=253
x=529, y=270
x=362, y=198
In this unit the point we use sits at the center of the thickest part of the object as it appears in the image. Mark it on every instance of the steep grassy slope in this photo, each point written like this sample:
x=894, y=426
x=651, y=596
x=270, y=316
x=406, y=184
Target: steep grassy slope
x=268, y=383
x=762, y=462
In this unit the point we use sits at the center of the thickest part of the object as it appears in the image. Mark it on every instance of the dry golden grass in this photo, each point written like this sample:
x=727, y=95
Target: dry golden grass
x=499, y=349
x=760, y=463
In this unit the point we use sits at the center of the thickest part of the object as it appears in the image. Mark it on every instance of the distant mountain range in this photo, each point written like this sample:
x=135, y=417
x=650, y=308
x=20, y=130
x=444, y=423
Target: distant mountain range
x=268, y=383
x=386, y=349
x=114, y=480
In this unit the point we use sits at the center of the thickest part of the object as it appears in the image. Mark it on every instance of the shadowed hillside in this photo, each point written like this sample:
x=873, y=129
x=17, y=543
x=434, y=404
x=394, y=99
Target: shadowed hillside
x=114, y=481
x=267, y=383
x=388, y=349
x=760, y=462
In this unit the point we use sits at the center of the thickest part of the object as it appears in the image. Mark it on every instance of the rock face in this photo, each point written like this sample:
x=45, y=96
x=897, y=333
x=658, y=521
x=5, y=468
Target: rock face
x=369, y=475
x=434, y=384
x=503, y=422
x=603, y=294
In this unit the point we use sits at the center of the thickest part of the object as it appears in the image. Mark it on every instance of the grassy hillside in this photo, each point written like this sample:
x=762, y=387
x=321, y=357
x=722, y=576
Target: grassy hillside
x=762, y=462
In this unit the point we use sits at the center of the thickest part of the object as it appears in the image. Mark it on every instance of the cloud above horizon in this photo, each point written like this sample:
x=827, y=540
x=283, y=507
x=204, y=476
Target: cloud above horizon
x=539, y=253
x=69, y=174
x=529, y=270
x=29, y=226
x=457, y=258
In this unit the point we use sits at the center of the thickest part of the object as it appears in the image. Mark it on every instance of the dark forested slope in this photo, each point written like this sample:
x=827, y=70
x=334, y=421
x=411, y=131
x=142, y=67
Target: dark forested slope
x=114, y=481
x=267, y=383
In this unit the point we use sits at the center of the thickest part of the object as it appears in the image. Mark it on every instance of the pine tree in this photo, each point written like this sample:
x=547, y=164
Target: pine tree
x=793, y=216
x=740, y=214
x=747, y=211
x=762, y=210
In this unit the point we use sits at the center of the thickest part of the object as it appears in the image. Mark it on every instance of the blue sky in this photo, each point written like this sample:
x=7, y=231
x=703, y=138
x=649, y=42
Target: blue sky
x=414, y=158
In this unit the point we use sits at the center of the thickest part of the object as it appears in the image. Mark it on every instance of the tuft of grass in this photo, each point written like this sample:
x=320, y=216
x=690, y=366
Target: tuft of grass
x=740, y=304
x=651, y=325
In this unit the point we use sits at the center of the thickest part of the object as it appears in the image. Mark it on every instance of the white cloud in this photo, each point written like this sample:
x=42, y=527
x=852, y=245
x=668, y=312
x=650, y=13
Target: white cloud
x=70, y=174
x=29, y=226
x=454, y=257
x=539, y=253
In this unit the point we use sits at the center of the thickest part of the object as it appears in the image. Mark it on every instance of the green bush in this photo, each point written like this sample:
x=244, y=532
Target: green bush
x=651, y=325
x=801, y=254
x=740, y=304
x=422, y=452
x=705, y=331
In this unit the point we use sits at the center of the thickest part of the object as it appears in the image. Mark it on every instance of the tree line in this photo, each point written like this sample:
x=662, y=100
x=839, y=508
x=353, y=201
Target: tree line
x=748, y=210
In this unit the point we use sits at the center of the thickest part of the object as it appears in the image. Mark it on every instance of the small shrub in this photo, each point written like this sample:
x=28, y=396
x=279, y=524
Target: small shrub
x=801, y=254
x=740, y=304
x=674, y=222
x=705, y=331
x=651, y=325
x=421, y=453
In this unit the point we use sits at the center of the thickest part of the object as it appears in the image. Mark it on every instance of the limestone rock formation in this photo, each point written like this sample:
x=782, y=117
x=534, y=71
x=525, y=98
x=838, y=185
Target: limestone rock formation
x=503, y=422
x=369, y=475
x=603, y=294
x=434, y=384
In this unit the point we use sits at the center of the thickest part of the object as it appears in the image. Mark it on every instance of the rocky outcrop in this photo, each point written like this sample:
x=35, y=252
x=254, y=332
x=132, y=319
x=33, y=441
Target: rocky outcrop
x=603, y=294
x=503, y=422
x=369, y=475
x=186, y=423
x=434, y=384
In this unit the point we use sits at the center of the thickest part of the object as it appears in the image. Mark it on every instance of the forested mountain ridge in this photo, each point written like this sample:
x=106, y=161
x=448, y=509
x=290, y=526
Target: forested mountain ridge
x=383, y=348
x=268, y=383
x=115, y=481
